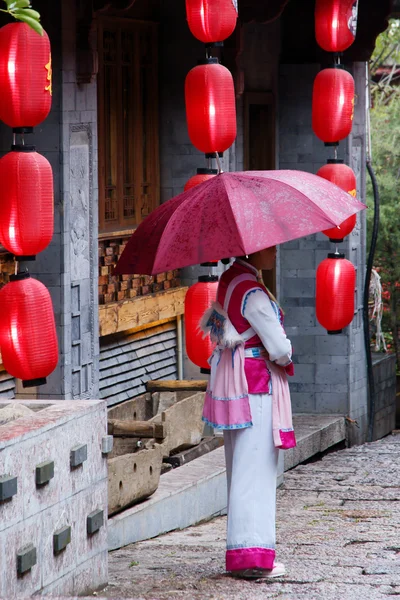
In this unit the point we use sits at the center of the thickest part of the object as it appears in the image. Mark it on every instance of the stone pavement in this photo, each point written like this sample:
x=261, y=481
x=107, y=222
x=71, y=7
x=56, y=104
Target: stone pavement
x=338, y=532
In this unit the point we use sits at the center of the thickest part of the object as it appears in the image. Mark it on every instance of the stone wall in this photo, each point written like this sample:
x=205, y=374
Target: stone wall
x=53, y=500
x=384, y=369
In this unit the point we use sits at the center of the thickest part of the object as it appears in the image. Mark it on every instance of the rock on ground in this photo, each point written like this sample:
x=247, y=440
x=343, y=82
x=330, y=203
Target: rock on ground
x=338, y=532
x=14, y=411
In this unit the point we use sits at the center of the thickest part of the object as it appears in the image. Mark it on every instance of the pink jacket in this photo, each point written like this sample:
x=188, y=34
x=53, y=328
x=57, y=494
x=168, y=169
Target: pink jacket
x=233, y=376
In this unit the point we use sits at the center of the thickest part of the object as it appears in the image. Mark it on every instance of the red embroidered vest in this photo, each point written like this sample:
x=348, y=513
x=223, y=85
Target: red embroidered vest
x=257, y=374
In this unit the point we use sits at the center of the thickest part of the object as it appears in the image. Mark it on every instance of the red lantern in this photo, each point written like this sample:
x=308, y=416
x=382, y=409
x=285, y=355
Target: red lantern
x=211, y=20
x=202, y=176
x=333, y=105
x=198, y=299
x=336, y=279
x=25, y=76
x=337, y=234
x=210, y=107
x=28, y=338
x=26, y=201
x=335, y=24
x=344, y=177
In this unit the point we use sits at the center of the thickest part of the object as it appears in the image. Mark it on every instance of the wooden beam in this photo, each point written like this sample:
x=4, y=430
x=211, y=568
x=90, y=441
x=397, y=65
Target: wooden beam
x=136, y=312
x=142, y=429
x=174, y=386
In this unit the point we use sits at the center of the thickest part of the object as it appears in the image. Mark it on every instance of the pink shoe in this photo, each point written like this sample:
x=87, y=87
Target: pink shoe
x=278, y=570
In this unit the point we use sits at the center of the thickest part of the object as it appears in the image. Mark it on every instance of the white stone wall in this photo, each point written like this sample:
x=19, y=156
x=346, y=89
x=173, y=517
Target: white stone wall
x=35, y=513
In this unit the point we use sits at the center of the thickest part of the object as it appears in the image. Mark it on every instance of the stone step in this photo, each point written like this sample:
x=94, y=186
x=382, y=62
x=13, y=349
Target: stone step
x=314, y=434
x=197, y=491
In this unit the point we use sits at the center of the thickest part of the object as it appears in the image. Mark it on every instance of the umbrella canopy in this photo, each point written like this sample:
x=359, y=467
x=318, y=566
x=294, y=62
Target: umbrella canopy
x=234, y=214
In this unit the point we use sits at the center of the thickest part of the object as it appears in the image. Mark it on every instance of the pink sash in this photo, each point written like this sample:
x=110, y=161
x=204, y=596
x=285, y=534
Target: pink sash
x=227, y=405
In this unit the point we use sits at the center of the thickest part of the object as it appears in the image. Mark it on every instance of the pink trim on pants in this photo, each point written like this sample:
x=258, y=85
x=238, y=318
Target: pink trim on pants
x=249, y=558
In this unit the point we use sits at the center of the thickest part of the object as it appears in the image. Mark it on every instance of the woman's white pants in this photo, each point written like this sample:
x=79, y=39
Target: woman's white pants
x=251, y=468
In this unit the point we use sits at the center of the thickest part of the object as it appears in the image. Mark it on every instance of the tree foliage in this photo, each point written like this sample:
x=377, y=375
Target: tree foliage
x=385, y=158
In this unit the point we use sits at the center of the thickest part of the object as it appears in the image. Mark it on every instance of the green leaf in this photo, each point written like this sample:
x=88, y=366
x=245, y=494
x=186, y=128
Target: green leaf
x=36, y=26
x=29, y=12
x=22, y=3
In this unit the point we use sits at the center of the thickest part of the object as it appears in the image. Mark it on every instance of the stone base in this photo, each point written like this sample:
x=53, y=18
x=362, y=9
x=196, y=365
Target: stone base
x=53, y=493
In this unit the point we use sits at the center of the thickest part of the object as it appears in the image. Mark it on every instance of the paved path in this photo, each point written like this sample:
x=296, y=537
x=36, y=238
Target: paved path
x=338, y=533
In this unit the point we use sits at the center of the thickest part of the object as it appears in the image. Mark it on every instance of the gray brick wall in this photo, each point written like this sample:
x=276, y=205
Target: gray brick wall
x=330, y=370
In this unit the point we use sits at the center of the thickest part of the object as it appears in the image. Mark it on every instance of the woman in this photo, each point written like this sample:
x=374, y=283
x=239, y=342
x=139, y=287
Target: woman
x=248, y=397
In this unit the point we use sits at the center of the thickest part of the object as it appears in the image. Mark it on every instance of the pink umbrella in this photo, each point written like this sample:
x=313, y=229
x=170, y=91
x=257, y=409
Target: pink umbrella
x=235, y=214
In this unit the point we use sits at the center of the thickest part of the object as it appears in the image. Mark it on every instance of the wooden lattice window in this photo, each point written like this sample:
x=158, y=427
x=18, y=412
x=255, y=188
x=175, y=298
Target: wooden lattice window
x=128, y=123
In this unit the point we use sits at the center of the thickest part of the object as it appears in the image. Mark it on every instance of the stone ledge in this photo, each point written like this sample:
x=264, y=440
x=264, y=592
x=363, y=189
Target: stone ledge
x=197, y=491
x=314, y=434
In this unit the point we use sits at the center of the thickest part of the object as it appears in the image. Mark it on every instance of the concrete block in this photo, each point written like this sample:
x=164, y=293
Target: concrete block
x=303, y=374
x=332, y=403
x=290, y=273
x=26, y=559
x=62, y=587
x=61, y=539
x=92, y=575
x=303, y=402
x=44, y=472
x=78, y=455
x=294, y=244
x=298, y=287
x=95, y=521
x=323, y=359
x=80, y=97
x=300, y=317
x=297, y=259
x=88, y=428
x=12, y=512
x=308, y=359
x=20, y=540
x=107, y=443
x=56, y=564
x=306, y=273
x=331, y=374
x=332, y=344
x=69, y=97
x=340, y=360
x=8, y=487
x=303, y=344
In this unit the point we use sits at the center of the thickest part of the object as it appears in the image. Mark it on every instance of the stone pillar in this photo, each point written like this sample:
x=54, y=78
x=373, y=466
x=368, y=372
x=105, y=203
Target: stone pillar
x=358, y=388
x=69, y=266
x=80, y=203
